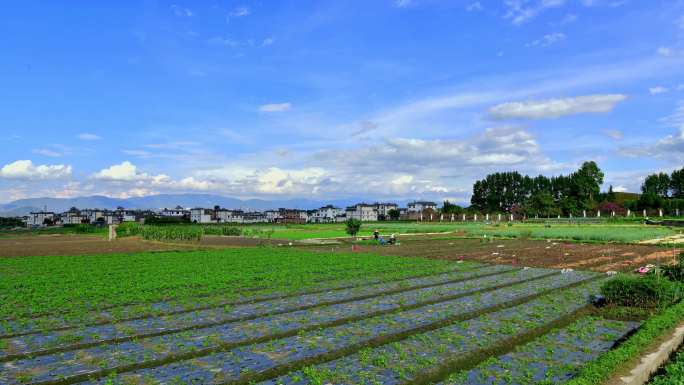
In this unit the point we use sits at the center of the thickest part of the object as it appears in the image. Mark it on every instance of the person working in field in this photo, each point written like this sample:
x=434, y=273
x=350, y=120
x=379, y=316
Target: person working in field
x=376, y=234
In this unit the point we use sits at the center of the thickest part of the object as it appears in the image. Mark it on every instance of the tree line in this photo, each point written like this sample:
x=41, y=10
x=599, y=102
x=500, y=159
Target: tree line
x=573, y=194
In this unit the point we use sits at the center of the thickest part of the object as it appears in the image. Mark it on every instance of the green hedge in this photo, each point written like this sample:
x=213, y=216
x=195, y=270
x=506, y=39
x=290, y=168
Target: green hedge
x=641, y=291
x=603, y=368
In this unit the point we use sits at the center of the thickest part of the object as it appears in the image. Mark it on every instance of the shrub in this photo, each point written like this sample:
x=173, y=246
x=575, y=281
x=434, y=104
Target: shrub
x=675, y=272
x=352, y=226
x=646, y=291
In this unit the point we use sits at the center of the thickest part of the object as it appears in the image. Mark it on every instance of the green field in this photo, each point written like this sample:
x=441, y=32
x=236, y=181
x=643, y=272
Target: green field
x=603, y=232
x=284, y=315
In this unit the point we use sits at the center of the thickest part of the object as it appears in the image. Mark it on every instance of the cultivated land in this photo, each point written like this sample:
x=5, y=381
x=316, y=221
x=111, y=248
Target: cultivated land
x=480, y=310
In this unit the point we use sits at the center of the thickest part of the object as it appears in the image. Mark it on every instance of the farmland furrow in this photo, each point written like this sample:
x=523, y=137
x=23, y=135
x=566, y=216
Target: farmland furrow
x=99, y=361
x=416, y=359
x=348, y=271
x=330, y=341
x=51, y=342
x=553, y=358
x=10, y=329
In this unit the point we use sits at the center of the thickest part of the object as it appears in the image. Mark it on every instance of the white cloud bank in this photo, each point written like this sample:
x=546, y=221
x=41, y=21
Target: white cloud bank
x=25, y=169
x=275, y=107
x=555, y=108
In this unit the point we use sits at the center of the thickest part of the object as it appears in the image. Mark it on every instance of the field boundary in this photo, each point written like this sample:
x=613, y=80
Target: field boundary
x=650, y=363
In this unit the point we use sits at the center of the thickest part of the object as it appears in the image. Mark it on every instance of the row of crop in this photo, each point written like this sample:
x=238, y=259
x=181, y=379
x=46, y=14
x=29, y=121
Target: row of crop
x=253, y=306
x=553, y=358
x=216, y=352
x=357, y=299
x=145, y=277
x=423, y=356
x=391, y=276
x=187, y=232
x=609, y=363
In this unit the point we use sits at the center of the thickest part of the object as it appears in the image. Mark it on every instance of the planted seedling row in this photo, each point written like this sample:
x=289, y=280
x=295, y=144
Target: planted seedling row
x=160, y=346
x=416, y=359
x=14, y=329
x=553, y=358
x=301, y=346
x=42, y=343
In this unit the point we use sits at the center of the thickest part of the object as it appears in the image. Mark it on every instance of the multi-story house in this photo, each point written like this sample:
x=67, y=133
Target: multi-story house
x=384, y=209
x=229, y=216
x=419, y=206
x=40, y=218
x=326, y=214
x=178, y=212
x=201, y=215
x=363, y=212
x=272, y=216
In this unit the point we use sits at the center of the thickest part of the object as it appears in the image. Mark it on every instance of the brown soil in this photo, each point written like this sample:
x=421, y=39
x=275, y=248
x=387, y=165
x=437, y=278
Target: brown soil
x=596, y=257
x=28, y=245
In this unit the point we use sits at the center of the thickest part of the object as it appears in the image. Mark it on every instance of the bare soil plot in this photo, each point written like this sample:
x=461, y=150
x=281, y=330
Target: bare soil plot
x=58, y=244
x=594, y=257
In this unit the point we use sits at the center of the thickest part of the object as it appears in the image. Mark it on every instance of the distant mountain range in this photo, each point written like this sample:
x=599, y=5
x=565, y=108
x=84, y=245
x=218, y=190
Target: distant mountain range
x=24, y=206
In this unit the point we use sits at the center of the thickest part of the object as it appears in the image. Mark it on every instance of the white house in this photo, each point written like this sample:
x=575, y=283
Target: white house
x=177, y=212
x=200, y=215
x=272, y=216
x=419, y=206
x=384, y=208
x=363, y=212
x=229, y=216
x=39, y=218
x=326, y=214
x=254, y=217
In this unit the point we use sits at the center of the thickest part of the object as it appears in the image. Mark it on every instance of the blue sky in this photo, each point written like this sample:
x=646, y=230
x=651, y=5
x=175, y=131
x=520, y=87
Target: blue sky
x=329, y=99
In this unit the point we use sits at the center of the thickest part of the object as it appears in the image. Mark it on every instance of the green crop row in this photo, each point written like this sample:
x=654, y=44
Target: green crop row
x=74, y=284
x=600, y=370
x=604, y=232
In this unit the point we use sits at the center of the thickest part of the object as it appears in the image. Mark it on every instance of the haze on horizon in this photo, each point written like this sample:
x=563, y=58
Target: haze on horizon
x=391, y=99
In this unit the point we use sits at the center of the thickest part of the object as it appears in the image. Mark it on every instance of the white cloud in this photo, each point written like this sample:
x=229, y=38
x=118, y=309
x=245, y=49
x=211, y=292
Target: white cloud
x=548, y=39
x=125, y=171
x=275, y=107
x=267, y=41
x=88, y=136
x=25, y=169
x=664, y=51
x=181, y=11
x=657, y=90
x=47, y=152
x=128, y=174
x=555, y=108
x=476, y=6
x=677, y=118
x=403, y=3
x=614, y=134
x=620, y=189
x=522, y=11
x=238, y=12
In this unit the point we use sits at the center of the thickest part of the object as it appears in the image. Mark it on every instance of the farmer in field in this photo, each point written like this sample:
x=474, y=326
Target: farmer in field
x=393, y=239
x=376, y=234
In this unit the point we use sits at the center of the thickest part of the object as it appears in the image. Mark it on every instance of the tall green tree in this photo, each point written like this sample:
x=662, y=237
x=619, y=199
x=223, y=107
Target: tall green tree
x=677, y=183
x=658, y=184
x=586, y=183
